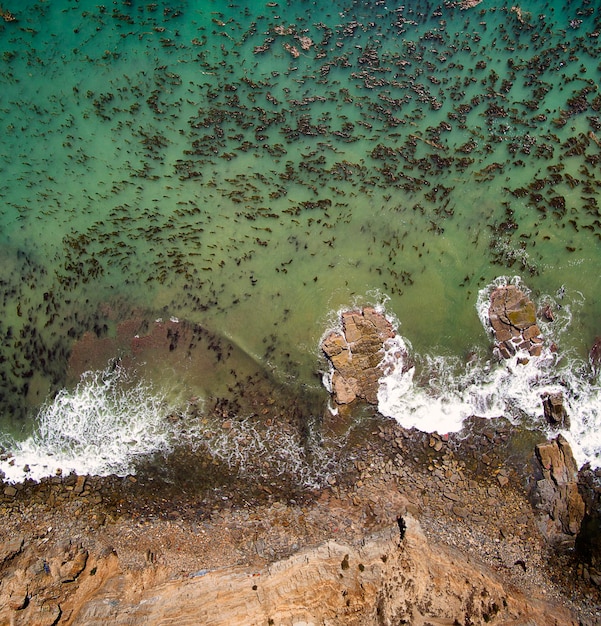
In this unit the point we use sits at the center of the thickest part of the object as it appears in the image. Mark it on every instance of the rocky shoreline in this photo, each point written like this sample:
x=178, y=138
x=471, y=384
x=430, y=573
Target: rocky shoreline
x=493, y=525
x=419, y=527
x=221, y=178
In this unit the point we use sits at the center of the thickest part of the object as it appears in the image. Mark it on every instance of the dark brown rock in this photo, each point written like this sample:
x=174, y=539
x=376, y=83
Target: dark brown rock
x=588, y=542
x=547, y=313
x=555, y=411
x=79, y=484
x=595, y=354
x=10, y=491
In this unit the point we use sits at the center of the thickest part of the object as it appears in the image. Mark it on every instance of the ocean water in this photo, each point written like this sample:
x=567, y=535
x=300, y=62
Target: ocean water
x=253, y=168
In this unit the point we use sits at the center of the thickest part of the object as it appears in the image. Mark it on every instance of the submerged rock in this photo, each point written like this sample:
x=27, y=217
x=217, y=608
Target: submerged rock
x=512, y=316
x=356, y=355
x=595, y=354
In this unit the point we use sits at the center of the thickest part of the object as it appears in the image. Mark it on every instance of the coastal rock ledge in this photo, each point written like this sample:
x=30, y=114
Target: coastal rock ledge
x=356, y=354
x=556, y=496
x=512, y=316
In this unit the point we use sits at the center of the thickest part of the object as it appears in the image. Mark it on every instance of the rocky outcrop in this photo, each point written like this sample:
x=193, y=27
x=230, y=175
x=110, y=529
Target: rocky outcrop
x=554, y=410
x=394, y=576
x=36, y=583
x=555, y=494
x=512, y=316
x=588, y=542
x=356, y=354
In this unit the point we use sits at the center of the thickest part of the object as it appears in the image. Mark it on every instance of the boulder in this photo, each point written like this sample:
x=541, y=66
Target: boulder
x=10, y=549
x=547, y=313
x=555, y=411
x=10, y=491
x=73, y=563
x=15, y=591
x=555, y=491
x=512, y=316
x=356, y=354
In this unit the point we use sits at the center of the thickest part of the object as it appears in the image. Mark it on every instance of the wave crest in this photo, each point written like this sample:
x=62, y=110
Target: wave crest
x=100, y=427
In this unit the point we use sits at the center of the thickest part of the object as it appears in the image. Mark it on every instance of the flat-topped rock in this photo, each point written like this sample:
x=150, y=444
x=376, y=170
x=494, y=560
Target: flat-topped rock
x=512, y=316
x=356, y=355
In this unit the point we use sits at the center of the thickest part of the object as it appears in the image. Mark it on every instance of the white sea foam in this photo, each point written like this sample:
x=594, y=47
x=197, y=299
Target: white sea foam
x=436, y=394
x=100, y=427
x=448, y=392
x=411, y=405
x=108, y=422
x=263, y=451
x=583, y=404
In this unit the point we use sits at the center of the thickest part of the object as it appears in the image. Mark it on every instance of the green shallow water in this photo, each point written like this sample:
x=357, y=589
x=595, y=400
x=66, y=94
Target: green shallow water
x=152, y=157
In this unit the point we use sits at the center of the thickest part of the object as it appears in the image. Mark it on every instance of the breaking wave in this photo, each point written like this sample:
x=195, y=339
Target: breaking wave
x=437, y=393
x=100, y=427
x=109, y=423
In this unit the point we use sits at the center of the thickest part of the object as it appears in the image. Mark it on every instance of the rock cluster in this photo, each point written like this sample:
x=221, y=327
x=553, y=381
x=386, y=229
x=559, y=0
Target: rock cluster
x=356, y=355
x=512, y=316
x=556, y=494
x=54, y=491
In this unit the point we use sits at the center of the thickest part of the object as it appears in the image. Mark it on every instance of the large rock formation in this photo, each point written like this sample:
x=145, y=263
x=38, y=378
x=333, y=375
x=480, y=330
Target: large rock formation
x=555, y=494
x=356, y=355
x=513, y=319
x=395, y=576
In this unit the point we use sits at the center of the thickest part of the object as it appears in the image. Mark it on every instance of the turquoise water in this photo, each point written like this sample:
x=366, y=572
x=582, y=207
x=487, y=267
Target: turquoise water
x=193, y=160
